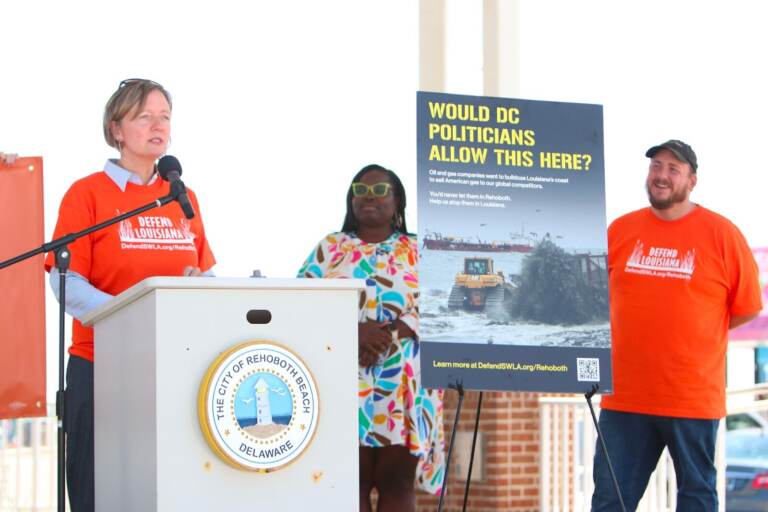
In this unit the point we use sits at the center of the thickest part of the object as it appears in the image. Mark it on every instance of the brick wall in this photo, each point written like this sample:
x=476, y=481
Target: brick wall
x=509, y=425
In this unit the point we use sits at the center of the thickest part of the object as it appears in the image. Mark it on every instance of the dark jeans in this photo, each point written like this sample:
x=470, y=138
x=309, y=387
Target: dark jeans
x=635, y=443
x=78, y=425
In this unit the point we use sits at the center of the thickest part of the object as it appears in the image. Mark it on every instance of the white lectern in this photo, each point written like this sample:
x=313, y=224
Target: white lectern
x=199, y=408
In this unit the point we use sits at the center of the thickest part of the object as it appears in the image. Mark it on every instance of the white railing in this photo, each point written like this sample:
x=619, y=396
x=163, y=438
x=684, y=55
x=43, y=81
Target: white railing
x=748, y=399
x=28, y=465
x=567, y=449
x=566, y=453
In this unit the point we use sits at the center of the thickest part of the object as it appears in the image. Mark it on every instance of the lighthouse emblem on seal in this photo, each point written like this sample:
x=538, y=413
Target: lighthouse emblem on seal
x=258, y=406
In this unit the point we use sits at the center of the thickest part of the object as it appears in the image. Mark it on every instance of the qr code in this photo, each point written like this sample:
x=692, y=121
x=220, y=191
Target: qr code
x=587, y=369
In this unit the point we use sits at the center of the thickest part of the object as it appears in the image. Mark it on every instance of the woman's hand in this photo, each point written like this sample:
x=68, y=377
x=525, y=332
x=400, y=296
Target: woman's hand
x=192, y=271
x=373, y=339
x=403, y=330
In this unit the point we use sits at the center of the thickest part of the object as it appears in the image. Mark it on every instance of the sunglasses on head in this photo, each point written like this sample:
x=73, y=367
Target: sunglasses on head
x=377, y=189
x=131, y=81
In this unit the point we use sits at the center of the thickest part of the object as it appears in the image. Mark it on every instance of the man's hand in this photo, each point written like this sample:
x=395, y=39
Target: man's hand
x=8, y=158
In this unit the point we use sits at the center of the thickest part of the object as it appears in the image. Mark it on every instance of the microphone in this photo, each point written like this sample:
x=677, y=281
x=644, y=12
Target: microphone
x=170, y=170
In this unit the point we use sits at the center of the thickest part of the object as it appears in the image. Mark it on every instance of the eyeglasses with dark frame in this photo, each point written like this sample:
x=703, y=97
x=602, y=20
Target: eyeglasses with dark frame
x=377, y=189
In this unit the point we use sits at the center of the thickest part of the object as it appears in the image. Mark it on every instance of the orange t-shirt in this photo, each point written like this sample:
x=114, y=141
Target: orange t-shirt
x=673, y=287
x=158, y=242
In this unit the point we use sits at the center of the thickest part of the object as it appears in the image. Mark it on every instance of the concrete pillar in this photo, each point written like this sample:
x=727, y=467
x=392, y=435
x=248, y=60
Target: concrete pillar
x=501, y=48
x=432, y=45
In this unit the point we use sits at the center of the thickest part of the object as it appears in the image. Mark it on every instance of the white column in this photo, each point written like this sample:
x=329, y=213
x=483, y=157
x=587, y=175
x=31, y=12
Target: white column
x=432, y=45
x=501, y=48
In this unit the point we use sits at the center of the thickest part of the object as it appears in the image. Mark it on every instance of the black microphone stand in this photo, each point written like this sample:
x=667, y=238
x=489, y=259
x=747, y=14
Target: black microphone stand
x=588, y=396
x=458, y=386
x=59, y=246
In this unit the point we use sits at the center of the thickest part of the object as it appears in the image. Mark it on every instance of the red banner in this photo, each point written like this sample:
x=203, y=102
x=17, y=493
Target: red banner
x=757, y=329
x=22, y=291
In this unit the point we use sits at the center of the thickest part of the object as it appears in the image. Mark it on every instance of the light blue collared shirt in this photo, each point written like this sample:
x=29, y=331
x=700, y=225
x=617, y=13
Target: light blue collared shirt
x=122, y=177
x=82, y=296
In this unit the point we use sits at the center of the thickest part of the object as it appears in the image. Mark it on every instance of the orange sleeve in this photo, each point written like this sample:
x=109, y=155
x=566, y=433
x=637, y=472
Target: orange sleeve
x=75, y=214
x=206, y=260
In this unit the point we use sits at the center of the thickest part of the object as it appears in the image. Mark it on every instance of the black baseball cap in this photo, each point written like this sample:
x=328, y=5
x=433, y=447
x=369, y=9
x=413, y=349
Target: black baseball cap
x=682, y=151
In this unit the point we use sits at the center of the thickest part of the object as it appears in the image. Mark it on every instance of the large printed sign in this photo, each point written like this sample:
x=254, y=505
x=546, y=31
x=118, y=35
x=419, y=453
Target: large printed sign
x=513, y=262
x=22, y=299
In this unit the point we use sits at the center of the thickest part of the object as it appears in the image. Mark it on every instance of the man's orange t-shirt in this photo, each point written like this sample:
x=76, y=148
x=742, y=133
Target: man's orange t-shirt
x=673, y=287
x=158, y=242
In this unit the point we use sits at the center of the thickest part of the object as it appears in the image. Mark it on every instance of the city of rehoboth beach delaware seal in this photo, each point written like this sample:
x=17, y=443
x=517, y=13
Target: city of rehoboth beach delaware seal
x=258, y=406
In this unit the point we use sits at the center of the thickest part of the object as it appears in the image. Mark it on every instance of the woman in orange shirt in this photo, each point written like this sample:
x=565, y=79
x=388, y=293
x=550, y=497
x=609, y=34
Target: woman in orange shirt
x=161, y=241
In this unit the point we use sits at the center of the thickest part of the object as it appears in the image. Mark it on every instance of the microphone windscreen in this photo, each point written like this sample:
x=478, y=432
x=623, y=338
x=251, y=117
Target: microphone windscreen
x=167, y=164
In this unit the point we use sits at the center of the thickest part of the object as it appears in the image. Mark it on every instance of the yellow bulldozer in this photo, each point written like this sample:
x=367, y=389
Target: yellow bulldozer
x=479, y=288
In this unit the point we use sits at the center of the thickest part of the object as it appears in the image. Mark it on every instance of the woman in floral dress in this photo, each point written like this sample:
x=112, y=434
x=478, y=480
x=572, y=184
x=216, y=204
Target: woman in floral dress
x=400, y=423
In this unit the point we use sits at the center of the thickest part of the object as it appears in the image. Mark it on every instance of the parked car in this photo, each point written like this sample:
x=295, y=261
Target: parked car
x=746, y=420
x=746, y=472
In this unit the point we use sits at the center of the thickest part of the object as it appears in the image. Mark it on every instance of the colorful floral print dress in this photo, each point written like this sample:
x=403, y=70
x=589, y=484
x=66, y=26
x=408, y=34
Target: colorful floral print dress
x=394, y=409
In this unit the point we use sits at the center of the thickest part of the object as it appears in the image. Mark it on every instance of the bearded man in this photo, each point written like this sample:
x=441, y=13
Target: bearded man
x=680, y=277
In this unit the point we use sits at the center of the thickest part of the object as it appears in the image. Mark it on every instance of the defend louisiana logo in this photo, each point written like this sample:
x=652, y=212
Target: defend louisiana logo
x=156, y=232
x=258, y=406
x=661, y=262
